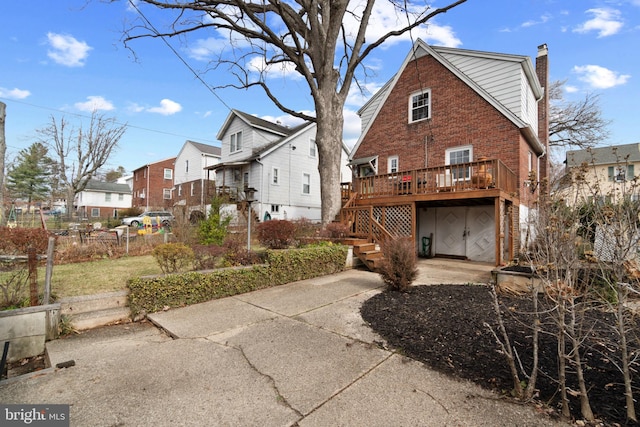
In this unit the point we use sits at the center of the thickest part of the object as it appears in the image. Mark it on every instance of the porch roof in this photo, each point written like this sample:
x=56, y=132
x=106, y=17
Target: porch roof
x=361, y=161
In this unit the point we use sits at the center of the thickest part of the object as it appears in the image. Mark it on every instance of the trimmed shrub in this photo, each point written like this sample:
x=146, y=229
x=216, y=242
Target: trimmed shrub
x=207, y=257
x=276, y=234
x=398, y=269
x=335, y=231
x=236, y=253
x=173, y=257
x=150, y=294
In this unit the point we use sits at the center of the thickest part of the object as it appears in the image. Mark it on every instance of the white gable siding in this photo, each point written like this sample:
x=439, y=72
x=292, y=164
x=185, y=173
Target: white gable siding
x=251, y=139
x=189, y=154
x=366, y=114
x=529, y=105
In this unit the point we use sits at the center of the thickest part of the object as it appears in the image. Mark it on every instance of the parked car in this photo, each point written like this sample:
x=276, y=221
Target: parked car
x=165, y=218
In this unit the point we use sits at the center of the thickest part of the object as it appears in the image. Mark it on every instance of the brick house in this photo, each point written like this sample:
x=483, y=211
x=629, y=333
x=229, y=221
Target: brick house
x=152, y=185
x=450, y=153
x=192, y=188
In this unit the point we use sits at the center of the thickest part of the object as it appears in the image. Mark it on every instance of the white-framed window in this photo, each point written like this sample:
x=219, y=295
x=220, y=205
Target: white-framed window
x=306, y=183
x=193, y=189
x=620, y=173
x=530, y=161
x=120, y=196
x=313, y=150
x=107, y=197
x=95, y=212
x=420, y=106
x=186, y=166
x=180, y=190
x=168, y=173
x=275, y=176
x=235, y=142
x=166, y=193
x=392, y=164
x=275, y=208
x=456, y=156
x=245, y=179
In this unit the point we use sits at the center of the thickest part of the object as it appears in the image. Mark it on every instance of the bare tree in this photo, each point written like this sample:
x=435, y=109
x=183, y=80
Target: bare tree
x=79, y=152
x=575, y=124
x=306, y=35
x=3, y=150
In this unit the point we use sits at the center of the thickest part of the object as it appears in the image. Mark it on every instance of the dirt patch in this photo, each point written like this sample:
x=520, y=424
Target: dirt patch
x=443, y=327
x=25, y=366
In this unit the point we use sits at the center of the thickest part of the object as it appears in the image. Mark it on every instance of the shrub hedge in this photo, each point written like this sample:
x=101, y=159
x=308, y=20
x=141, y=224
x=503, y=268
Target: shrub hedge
x=151, y=294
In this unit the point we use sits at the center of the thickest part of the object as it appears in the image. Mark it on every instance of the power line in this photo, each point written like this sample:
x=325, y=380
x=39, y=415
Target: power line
x=115, y=121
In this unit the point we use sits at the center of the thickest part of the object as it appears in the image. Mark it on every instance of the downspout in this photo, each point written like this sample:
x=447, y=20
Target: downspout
x=148, y=195
x=261, y=185
x=202, y=167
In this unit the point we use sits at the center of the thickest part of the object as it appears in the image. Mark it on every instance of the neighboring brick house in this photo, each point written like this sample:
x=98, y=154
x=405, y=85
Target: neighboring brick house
x=102, y=199
x=607, y=174
x=279, y=162
x=451, y=151
x=152, y=185
x=192, y=187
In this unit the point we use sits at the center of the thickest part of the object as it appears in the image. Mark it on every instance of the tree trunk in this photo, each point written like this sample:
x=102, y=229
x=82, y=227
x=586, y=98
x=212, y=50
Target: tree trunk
x=70, y=199
x=562, y=358
x=329, y=110
x=624, y=350
x=585, y=405
x=3, y=150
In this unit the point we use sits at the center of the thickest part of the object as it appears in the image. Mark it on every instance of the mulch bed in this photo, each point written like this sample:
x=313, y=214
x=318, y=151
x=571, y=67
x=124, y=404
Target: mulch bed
x=443, y=327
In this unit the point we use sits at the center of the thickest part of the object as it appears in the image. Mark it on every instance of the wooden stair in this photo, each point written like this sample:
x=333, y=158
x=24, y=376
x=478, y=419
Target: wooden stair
x=369, y=253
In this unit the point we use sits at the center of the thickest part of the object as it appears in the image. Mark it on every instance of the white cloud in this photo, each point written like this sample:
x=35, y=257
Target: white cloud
x=599, y=77
x=605, y=21
x=94, y=103
x=207, y=49
x=167, y=108
x=14, y=93
x=385, y=18
x=135, y=107
x=257, y=64
x=358, y=96
x=570, y=89
x=543, y=19
x=66, y=50
x=352, y=126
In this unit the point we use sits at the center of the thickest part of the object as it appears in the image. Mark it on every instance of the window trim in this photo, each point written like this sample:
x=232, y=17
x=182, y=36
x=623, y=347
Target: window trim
x=411, y=107
x=165, y=192
x=447, y=161
x=168, y=173
x=275, y=176
x=313, y=149
x=235, y=142
x=390, y=160
x=306, y=181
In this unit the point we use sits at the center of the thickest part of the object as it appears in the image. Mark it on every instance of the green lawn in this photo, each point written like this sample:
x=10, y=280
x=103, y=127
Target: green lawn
x=94, y=277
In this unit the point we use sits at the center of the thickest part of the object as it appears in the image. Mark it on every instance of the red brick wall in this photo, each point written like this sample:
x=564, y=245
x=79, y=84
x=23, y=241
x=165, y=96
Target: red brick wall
x=153, y=186
x=198, y=198
x=459, y=116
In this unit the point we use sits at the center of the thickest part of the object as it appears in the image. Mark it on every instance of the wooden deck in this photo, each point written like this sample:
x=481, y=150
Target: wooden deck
x=486, y=178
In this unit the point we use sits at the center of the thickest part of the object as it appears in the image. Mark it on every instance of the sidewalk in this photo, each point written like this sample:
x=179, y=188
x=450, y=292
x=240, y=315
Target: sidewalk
x=297, y=354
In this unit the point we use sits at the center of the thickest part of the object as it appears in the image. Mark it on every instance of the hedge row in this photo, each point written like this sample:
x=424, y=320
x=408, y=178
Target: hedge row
x=151, y=294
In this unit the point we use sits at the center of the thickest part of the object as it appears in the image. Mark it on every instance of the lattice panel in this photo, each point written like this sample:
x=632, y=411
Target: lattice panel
x=362, y=222
x=397, y=219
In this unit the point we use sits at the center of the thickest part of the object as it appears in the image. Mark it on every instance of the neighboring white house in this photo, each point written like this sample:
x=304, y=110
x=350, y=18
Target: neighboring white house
x=192, y=187
x=102, y=199
x=279, y=162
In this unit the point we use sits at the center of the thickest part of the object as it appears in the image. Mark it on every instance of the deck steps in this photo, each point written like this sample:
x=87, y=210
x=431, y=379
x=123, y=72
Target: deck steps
x=369, y=253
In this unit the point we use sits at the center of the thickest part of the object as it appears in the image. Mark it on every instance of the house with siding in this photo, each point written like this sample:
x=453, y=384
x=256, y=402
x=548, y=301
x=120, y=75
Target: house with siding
x=602, y=174
x=193, y=188
x=450, y=154
x=279, y=162
x=102, y=199
x=152, y=185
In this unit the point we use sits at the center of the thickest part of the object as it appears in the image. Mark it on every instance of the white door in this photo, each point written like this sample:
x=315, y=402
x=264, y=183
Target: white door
x=466, y=231
x=450, y=231
x=481, y=236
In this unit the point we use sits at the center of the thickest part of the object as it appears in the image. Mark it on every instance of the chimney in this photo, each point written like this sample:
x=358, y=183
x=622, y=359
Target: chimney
x=542, y=71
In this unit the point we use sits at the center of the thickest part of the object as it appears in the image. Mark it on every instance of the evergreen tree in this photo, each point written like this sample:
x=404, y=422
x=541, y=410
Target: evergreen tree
x=29, y=175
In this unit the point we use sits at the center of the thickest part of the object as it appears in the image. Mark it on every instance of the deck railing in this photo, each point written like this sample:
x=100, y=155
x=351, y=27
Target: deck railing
x=479, y=175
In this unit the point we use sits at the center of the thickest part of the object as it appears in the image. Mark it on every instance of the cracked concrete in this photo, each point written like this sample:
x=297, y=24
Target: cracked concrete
x=297, y=354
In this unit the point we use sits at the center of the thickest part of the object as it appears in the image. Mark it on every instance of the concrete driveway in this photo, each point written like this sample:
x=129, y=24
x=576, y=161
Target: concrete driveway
x=292, y=355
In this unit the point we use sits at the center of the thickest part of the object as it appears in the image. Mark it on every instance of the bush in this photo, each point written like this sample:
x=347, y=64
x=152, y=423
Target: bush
x=276, y=234
x=236, y=253
x=207, y=257
x=335, y=231
x=213, y=229
x=173, y=257
x=150, y=294
x=18, y=241
x=399, y=265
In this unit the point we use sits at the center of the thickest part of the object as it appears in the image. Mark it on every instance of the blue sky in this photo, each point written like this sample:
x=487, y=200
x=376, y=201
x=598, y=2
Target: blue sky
x=66, y=58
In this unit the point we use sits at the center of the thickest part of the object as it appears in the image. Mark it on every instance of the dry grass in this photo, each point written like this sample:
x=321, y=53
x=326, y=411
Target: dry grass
x=94, y=277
